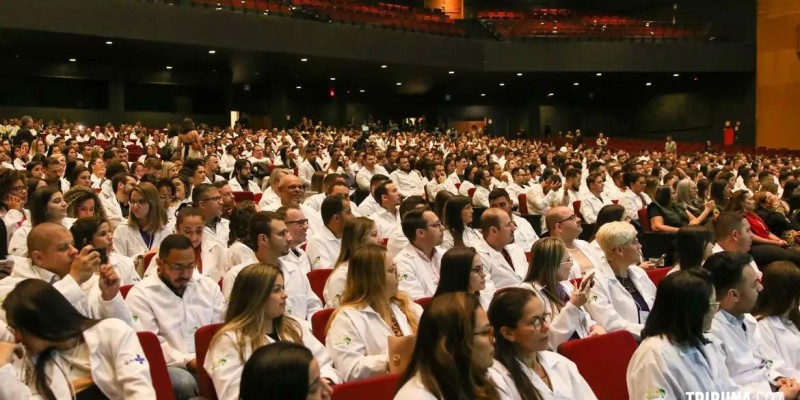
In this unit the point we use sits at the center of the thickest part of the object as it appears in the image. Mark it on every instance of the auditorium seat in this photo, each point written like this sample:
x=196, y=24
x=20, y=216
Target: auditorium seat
x=379, y=388
x=523, y=203
x=158, y=367
x=319, y=323
x=202, y=339
x=603, y=362
x=317, y=279
x=657, y=274
x=123, y=290
x=424, y=301
x=242, y=196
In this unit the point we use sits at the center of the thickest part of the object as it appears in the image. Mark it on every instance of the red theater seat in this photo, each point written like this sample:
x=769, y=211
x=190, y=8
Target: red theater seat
x=603, y=362
x=657, y=274
x=158, y=367
x=319, y=323
x=202, y=339
x=317, y=279
x=380, y=388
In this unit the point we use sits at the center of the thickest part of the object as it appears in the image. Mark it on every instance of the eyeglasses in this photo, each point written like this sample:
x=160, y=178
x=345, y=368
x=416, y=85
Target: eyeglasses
x=478, y=269
x=539, y=322
x=487, y=332
x=299, y=222
x=215, y=198
x=571, y=217
x=179, y=268
x=437, y=224
x=714, y=306
x=166, y=197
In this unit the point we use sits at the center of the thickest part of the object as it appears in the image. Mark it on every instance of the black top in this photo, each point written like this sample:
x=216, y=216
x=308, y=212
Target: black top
x=673, y=216
x=776, y=222
x=23, y=135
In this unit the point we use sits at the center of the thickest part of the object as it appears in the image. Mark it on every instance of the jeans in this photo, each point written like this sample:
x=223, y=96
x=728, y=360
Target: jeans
x=184, y=383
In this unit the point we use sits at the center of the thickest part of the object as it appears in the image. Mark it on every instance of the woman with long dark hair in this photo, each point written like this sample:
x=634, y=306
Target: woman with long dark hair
x=462, y=271
x=458, y=224
x=281, y=371
x=667, y=215
x=96, y=231
x=67, y=354
x=779, y=317
x=240, y=232
x=529, y=371
x=47, y=205
x=146, y=226
x=453, y=353
x=692, y=245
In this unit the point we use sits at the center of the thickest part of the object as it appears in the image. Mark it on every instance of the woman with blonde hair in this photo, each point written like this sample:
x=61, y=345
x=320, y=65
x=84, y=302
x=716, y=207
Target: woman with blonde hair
x=256, y=317
x=146, y=226
x=357, y=232
x=371, y=310
x=169, y=169
x=547, y=276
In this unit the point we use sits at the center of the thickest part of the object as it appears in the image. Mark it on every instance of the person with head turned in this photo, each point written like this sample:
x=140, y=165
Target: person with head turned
x=462, y=271
x=357, y=232
x=778, y=317
x=282, y=371
x=419, y=262
x=324, y=245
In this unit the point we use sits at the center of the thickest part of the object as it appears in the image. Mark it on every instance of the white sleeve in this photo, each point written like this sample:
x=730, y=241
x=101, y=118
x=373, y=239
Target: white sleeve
x=134, y=377
x=564, y=324
x=144, y=320
x=601, y=309
x=346, y=346
x=646, y=375
x=630, y=208
x=409, y=281
x=320, y=353
x=224, y=366
x=362, y=181
x=589, y=216
x=317, y=256
x=10, y=385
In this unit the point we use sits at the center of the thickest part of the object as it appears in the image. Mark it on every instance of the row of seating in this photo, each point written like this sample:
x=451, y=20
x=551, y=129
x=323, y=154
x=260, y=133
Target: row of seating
x=621, y=28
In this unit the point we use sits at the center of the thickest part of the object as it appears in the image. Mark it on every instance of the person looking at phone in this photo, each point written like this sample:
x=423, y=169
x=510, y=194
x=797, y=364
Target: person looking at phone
x=92, y=288
x=623, y=294
x=95, y=231
x=564, y=300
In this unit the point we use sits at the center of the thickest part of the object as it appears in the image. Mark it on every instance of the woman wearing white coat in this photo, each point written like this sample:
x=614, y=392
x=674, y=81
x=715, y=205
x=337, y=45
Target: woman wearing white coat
x=256, y=317
x=623, y=294
x=46, y=205
x=458, y=221
x=675, y=357
x=357, y=232
x=526, y=368
x=779, y=317
x=67, y=352
x=371, y=310
x=146, y=226
x=547, y=276
x=96, y=231
x=453, y=353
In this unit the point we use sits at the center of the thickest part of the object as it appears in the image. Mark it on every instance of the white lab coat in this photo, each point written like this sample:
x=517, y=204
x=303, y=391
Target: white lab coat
x=480, y=198
x=18, y=245
x=113, y=211
x=385, y=222
x=215, y=258
x=567, y=382
x=118, y=367
x=156, y=308
x=364, y=176
x=236, y=187
x=302, y=302
x=564, y=323
x=747, y=365
x=368, y=206
x=298, y=257
x=240, y=253
x=418, y=275
x=413, y=389
x=633, y=203
x=408, y=183
x=314, y=201
x=357, y=340
x=128, y=241
x=334, y=286
x=124, y=268
x=497, y=269
x=397, y=242
x=591, y=205
x=524, y=236
x=323, y=249
x=306, y=171
x=224, y=364
x=780, y=344
x=86, y=298
x=613, y=307
x=220, y=233
x=661, y=368
x=268, y=198
x=470, y=237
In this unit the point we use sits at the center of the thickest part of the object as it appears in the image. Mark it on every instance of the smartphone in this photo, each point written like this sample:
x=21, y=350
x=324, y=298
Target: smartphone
x=103, y=256
x=587, y=280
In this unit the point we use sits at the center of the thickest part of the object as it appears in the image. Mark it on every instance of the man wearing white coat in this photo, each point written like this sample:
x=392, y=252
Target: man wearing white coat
x=562, y=223
x=418, y=264
x=309, y=166
x=504, y=263
x=386, y=217
x=408, y=181
x=173, y=304
x=297, y=224
x=324, y=245
x=737, y=286
x=207, y=199
x=272, y=238
x=524, y=235
x=117, y=207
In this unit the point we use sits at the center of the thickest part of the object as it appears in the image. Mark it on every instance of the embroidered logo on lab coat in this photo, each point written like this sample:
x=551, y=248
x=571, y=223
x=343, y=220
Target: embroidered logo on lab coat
x=137, y=359
x=659, y=393
x=316, y=260
x=344, y=340
x=219, y=363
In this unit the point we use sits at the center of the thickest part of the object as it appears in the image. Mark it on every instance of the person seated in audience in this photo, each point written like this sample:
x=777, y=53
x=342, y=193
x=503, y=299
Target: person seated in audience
x=777, y=223
x=96, y=232
x=692, y=247
x=564, y=301
x=146, y=226
x=744, y=202
x=595, y=200
x=173, y=303
x=453, y=354
x=228, y=200
x=483, y=183
x=371, y=309
x=242, y=180
x=386, y=217
x=778, y=317
x=418, y=264
x=332, y=184
x=398, y=240
x=527, y=369
x=689, y=198
x=68, y=355
x=564, y=224
x=524, y=235
x=13, y=200
x=290, y=193
x=270, y=196
x=408, y=181
x=53, y=174
x=676, y=356
x=458, y=224
x=282, y=371
x=257, y=315
x=666, y=215
x=240, y=232
x=357, y=232
x=609, y=213
x=634, y=198
x=503, y=261
x=370, y=169
x=737, y=287
x=462, y=271
x=458, y=174
x=438, y=182
x=46, y=205
x=518, y=185
x=272, y=240
x=370, y=204
x=83, y=202
x=207, y=200
x=720, y=192
x=324, y=245
x=297, y=224
x=623, y=294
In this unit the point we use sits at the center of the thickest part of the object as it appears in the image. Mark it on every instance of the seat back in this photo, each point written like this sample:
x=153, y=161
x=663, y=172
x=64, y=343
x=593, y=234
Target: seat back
x=202, y=339
x=470, y=192
x=644, y=220
x=523, y=203
x=603, y=362
x=319, y=323
x=148, y=258
x=424, y=301
x=242, y=196
x=158, y=366
x=657, y=274
x=576, y=206
x=379, y=388
x=123, y=290
x=317, y=279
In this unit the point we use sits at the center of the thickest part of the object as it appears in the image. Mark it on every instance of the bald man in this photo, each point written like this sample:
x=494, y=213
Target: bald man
x=562, y=223
x=290, y=192
x=504, y=263
x=270, y=196
x=54, y=259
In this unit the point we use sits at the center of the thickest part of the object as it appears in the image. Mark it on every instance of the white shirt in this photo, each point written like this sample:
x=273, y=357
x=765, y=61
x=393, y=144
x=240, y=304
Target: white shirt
x=418, y=274
x=564, y=377
x=718, y=249
x=779, y=341
x=357, y=340
x=156, y=308
x=385, y=222
x=268, y=199
x=298, y=257
x=18, y=245
x=591, y=205
x=224, y=363
x=323, y=249
x=470, y=237
x=480, y=198
x=314, y=201
x=237, y=187
x=240, y=253
x=306, y=171
x=364, y=176
x=633, y=203
x=334, y=286
x=368, y=206
x=220, y=233
x=498, y=270
x=408, y=183
x=129, y=242
x=215, y=259
x=613, y=307
x=524, y=236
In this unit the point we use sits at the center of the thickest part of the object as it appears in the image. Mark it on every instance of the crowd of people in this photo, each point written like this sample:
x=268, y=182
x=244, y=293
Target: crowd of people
x=396, y=217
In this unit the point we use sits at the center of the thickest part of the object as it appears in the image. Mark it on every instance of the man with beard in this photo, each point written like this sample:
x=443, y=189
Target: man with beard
x=407, y=180
x=173, y=304
x=270, y=240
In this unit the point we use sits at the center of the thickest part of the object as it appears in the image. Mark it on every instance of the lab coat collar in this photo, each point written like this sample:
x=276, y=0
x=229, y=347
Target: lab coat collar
x=731, y=319
x=327, y=234
x=414, y=250
x=35, y=272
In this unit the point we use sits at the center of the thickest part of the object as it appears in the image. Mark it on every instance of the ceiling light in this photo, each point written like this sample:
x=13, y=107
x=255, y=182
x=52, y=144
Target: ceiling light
x=384, y=66
x=648, y=84
x=72, y=60
x=169, y=66
x=502, y=84
x=333, y=79
x=303, y=59
x=483, y=94
x=361, y=90
x=576, y=84
x=676, y=75
x=599, y=74
x=519, y=73
x=399, y=83
x=451, y=72
x=256, y=74
x=298, y=87
x=109, y=42
x=551, y=94
x=212, y=52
